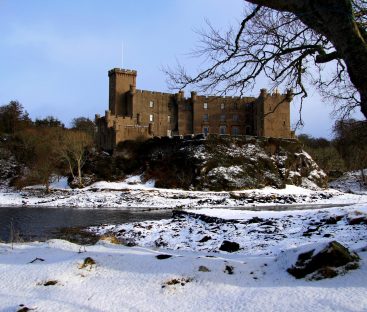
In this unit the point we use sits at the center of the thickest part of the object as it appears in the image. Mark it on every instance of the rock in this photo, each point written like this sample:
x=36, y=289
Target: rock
x=203, y=268
x=332, y=220
x=357, y=220
x=205, y=239
x=229, y=246
x=50, y=283
x=229, y=269
x=255, y=220
x=162, y=257
x=334, y=259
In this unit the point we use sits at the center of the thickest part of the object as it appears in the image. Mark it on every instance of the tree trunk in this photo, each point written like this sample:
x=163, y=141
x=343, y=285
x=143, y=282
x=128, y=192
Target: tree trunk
x=47, y=185
x=71, y=168
x=79, y=173
x=335, y=20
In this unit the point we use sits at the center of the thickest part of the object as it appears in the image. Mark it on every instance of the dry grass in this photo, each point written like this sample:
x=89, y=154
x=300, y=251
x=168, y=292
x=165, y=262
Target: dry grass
x=88, y=262
x=111, y=238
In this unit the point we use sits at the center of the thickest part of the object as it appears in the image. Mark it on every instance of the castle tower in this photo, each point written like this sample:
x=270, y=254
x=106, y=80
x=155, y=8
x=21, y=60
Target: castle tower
x=121, y=82
x=273, y=114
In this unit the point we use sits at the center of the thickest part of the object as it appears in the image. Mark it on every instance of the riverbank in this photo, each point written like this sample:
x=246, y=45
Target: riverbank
x=134, y=194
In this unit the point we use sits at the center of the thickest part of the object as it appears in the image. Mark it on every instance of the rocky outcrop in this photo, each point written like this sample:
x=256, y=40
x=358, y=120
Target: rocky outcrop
x=228, y=163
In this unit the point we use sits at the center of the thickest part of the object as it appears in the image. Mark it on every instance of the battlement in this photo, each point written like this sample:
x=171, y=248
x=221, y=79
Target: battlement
x=122, y=71
x=225, y=98
x=147, y=92
x=276, y=93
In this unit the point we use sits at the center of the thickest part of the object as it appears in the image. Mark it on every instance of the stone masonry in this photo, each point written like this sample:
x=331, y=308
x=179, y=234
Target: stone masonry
x=138, y=114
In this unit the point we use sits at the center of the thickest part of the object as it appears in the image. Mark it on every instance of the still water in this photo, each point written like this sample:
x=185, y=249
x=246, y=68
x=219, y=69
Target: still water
x=44, y=223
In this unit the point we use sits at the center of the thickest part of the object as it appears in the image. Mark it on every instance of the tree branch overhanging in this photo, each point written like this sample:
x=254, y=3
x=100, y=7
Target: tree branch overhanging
x=287, y=42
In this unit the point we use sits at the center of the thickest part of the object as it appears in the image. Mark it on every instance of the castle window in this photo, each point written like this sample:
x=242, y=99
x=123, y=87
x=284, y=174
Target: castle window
x=222, y=130
x=151, y=104
x=205, y=105
x=206, y=130
x=235, y=117
x=222, y=117
x=235, y=106
x=222, y=106
x=169, y=119
x=205, y=117
x=234, y=131
x=151, y=118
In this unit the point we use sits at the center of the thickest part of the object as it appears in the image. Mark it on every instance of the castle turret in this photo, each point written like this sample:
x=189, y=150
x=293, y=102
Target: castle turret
x=273, y=114
x=121, y=81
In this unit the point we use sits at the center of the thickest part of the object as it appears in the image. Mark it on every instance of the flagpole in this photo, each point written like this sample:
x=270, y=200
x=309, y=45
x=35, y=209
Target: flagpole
x=122, y=54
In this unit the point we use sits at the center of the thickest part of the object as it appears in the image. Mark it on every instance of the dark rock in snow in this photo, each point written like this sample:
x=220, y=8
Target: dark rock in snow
x=205, y=239
x=358, y=220
x=255, y=220
x=333, y=260
x=229, y=269
x=162, y=257
x=229, y=246
x=203, y=268
x=332, y=219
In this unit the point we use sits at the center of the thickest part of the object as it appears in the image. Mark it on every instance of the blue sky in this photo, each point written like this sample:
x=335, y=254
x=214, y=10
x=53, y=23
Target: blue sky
x=54, y=55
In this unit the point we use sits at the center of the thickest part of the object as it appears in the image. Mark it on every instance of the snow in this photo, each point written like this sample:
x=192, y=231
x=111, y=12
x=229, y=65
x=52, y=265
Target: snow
x=134, y=193
x=132, y=182
x=350, y=182
x=198, y=276
x=133, y=279
x=258, y=233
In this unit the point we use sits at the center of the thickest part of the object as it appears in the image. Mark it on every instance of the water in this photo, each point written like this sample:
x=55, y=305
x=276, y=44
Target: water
x=44, y=223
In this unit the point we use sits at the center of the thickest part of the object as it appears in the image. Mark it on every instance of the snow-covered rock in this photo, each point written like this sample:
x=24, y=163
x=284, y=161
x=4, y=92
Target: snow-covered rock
x=226, y=163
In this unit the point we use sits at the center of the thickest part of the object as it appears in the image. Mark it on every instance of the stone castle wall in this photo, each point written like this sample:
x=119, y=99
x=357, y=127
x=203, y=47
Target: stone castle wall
x=139, y=114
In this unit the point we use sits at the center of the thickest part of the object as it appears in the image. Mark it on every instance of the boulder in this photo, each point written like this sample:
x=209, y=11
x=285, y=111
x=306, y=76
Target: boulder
x=229, y=246
x=331, y=261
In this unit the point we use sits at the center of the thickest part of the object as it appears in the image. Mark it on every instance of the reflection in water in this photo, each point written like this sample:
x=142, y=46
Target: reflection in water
x=43, y=223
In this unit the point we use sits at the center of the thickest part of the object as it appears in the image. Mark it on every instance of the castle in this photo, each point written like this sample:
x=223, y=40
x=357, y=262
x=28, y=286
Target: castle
x=139, y=114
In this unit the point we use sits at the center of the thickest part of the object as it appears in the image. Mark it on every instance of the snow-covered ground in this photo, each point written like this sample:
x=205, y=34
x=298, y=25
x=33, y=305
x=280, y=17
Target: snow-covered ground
x=177, y=264
x=258, y=233
x=184, y=274
x=133, y=193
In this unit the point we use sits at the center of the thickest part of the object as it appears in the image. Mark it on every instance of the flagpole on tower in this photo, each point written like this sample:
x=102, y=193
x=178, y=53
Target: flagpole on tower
x=122, y=54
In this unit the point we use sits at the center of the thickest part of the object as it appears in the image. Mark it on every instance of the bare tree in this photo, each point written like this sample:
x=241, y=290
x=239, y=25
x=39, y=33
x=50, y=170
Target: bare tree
x=351, y=142
x=73, y=150
x=293, y=43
